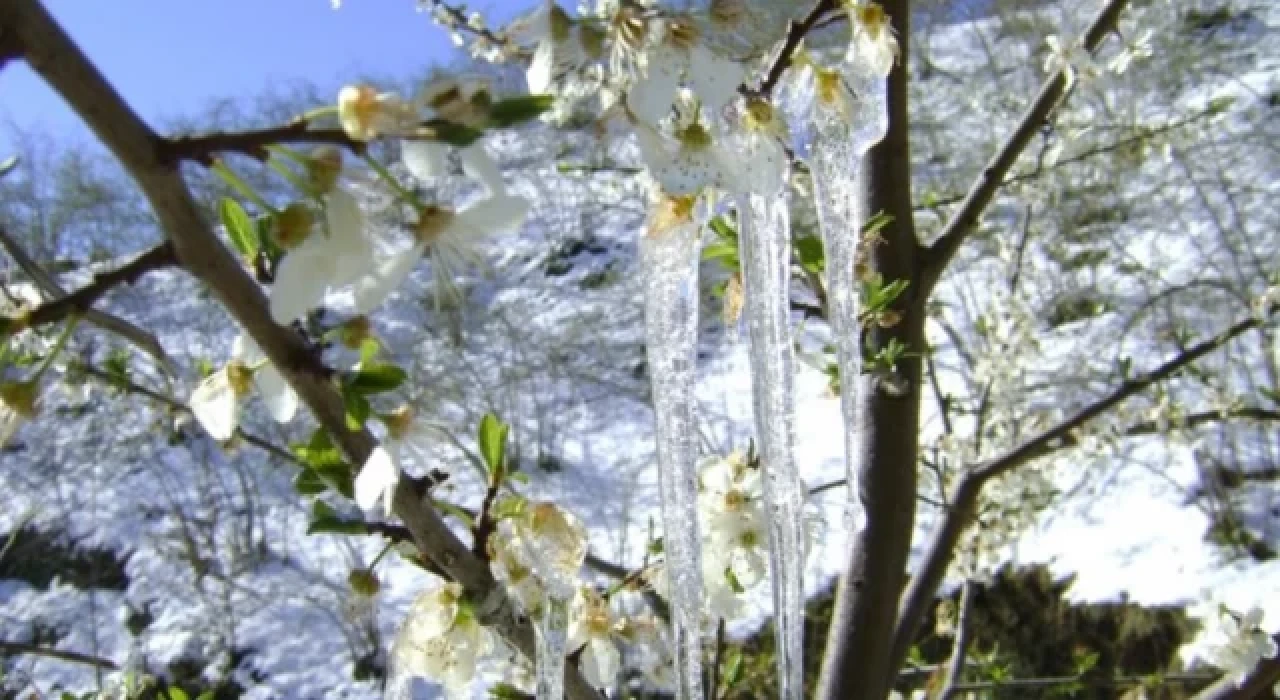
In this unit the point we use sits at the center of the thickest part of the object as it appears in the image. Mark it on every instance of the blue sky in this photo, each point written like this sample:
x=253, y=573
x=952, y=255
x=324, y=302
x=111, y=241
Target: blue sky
x=172, y=57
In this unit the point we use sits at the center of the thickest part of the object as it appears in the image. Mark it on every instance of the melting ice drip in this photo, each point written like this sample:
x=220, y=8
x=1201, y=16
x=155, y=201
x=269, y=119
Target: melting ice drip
x=764, y=234
x=553, y=638
x=670, y=261
x=838, y=148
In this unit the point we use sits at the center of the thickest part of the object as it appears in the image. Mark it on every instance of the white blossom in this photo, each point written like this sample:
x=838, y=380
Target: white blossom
x=678, y=56
x=366, y=114
x=334, y=258
x=451, y=238
x=442, y=640
x=215, y=402
x=1232, y=642
x=591, y=629
x=375, y=485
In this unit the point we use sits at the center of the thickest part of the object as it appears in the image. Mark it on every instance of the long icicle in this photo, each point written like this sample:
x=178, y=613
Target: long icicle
x=669, y=256
x=839, y=145
x=552, y=640
x=764, y=234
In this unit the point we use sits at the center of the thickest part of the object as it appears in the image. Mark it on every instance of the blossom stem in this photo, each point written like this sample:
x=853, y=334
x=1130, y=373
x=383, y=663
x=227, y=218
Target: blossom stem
x=400, y=190
x=58, y=346
x=228, y=176
x=381, y=554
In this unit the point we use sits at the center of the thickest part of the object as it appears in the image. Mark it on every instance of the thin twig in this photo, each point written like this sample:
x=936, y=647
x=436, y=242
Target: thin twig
x=113, y=324
x=960, y=648
x=713, y=678
x=19, y=648
x=83, y=299
x=796, y=33
x=983, y=190
x=204, y=148
x=964, y=501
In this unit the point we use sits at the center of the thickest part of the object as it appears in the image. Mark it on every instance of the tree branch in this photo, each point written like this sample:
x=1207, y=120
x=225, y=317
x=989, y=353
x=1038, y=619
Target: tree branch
x=57, y=59
x=960, y=649
x=107, y=322
x=203, y=148
x=983, y=190
x=83, y=299
x=796, y=32
x=964, y=503
x=21, y=649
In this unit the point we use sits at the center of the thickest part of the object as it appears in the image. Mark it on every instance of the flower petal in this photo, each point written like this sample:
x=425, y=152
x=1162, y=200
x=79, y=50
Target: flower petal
x=600, y=662
x=542, y=68
x=374, y=289
x=425, y=160
x=651, y=97
x=376, y=483
x=478, y=164
x=301, y=280
x=498, y=214
x=213, y=403
x=715, y=78
x=280, y=398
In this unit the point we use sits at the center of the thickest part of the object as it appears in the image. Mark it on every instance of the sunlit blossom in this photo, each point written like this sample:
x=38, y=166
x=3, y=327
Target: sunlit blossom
x=327, y=260
x=215, y=402
x=366, y=114
x=676, y=56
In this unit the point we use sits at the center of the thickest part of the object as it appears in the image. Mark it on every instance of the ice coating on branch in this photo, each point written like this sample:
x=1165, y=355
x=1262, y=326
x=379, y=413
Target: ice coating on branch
x=764, y=235
x=669, y=257
x=553, y=639
x=850, y=115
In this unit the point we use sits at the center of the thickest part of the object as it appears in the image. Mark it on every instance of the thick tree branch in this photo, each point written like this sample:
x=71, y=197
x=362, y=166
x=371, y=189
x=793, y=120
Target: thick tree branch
x=107, y=322
x=964, y=502
x=796, y=33
x=83, y=299
x=983, y=190
x=20, y=649
x=960, y=648
x=57, y=59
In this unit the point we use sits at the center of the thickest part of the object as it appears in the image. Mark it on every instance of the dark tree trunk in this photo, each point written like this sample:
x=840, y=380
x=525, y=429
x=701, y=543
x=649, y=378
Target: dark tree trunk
x=857, y=659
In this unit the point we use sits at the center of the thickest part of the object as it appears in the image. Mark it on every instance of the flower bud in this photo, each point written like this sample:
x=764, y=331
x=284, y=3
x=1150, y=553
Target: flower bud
x=364, y=582
x=293, y=225
x=558, y=23
x=354, y=332
x=399, y=421
x=324, y=165
x=240, y=378
x=20, y=397
x=727, y=13
x=592, y=40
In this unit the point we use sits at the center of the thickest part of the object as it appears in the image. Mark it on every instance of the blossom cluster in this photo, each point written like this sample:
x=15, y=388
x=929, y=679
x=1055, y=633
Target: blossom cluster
x=1230, y=641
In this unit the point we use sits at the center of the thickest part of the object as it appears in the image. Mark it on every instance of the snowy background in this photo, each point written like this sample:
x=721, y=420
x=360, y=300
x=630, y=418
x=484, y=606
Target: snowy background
x=1179, y=228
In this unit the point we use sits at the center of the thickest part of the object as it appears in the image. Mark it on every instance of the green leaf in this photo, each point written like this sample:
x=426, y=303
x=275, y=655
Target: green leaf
x=506, y=691
x=309, y=483
x=727, y=252
x=1270, y=394
x=375, y=379
x=322, y=460
x=207, y=695
x=515, y=110
x=493, y=441
x=368, y=350
x=243, y=233
x=358, y=409
x=7, y=165
x=722, y=228
x=877, y=222
x=454, y=134
x=176, y=693
x=809, y=251
x=333, y=525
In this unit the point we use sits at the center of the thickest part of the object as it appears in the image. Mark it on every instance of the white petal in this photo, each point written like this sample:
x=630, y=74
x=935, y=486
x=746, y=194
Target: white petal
x=280, y=398
x=374, y=289
x=497, y=214
x=542, y=68
x=425, y=160
x=376, y=483
x=713, y=77
x=214, y=404
x=689, y=172
x=478, y=164
x=346, y=224
x=600, y=663
x=300, y=282
x=651, y=97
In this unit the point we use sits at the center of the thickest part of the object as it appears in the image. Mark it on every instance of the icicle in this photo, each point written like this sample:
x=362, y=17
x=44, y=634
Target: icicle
x=553, y=638
x=840, y=142
x=764, y=234
x=669, y=256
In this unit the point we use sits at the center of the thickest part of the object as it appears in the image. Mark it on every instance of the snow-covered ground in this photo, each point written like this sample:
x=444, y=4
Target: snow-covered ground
x=214, y=544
